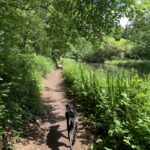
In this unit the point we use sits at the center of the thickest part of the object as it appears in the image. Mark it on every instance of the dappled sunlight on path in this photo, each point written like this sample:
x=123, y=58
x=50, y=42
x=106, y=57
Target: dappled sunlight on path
x=49, y=133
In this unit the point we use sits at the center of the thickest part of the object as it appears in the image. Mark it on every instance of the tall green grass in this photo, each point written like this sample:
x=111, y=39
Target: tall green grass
x=116, y=105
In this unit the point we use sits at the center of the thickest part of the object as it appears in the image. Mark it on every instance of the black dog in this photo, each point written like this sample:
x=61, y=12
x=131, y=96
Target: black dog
x=72, y=122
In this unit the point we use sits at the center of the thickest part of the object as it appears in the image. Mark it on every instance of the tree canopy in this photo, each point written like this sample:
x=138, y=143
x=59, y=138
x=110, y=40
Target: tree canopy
x=47, y=26
x=139, y=33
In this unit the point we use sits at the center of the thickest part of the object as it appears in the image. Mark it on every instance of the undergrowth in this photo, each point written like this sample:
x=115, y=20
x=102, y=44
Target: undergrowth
x=20, y=86
x=116, y=106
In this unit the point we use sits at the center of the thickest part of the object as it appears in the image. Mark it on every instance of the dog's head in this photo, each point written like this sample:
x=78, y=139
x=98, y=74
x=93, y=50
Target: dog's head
x=69, y=107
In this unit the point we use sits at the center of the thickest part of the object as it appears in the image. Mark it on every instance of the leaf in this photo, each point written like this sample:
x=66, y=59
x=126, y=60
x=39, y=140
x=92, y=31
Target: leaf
x=99, y=141
x=106, y=148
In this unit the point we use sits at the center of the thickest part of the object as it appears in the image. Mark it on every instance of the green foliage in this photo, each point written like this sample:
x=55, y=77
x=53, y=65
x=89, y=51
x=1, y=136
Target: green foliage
x=46, y=27
x=116, y=105
x=49, y=28
x=34, y=27
x=20, y=86
x=139, y=33
x=79, y=49
x=94, y=18
x=142, y=49
x=110, y=49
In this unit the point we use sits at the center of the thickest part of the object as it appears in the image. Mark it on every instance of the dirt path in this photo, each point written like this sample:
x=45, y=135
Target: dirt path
x=50, y=133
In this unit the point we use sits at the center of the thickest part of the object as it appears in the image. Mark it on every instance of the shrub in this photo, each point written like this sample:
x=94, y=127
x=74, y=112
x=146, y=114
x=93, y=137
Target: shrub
x=110, y=49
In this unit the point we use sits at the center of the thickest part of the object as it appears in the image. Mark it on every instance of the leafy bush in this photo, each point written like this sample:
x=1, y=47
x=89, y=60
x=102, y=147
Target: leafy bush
x=20, y=86
x=79, y=49
x=110, y=49
x=116, y=106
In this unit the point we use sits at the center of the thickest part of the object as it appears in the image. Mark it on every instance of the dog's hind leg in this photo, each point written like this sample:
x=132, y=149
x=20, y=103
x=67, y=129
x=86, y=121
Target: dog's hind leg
x=75, y=133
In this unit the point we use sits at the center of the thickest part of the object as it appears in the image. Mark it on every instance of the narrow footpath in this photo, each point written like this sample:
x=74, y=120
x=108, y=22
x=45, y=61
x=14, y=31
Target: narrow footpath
x=50, y=133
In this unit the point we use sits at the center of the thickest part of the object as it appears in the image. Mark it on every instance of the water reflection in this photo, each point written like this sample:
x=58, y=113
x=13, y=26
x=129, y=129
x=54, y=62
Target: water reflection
x=140, y=70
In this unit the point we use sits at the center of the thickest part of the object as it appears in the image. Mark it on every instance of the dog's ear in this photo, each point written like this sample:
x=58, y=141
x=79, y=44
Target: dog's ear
x=71, y=106
x=67, y=105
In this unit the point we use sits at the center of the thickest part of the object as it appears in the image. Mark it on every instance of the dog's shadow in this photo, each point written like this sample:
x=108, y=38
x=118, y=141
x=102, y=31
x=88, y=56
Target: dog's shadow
x=53, y=138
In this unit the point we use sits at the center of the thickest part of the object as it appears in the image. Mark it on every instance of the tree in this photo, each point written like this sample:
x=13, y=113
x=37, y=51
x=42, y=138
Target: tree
x=95, y=17
x=79, y=49
x=47, y=26
x=21, y=26
x=139, y=33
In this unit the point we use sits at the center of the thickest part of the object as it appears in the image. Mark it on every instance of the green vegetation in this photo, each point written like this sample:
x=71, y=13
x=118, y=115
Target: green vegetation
x=35, y=34
x=116, y=105
x=46, y=27
x=79, y=49
x=139, y=33
x=20, y=86
x=110, y=49
x=131, y=42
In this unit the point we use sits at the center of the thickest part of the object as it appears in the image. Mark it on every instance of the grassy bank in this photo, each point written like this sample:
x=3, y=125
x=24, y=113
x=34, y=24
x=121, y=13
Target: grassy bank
x=116, y=106
x=20, y=86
